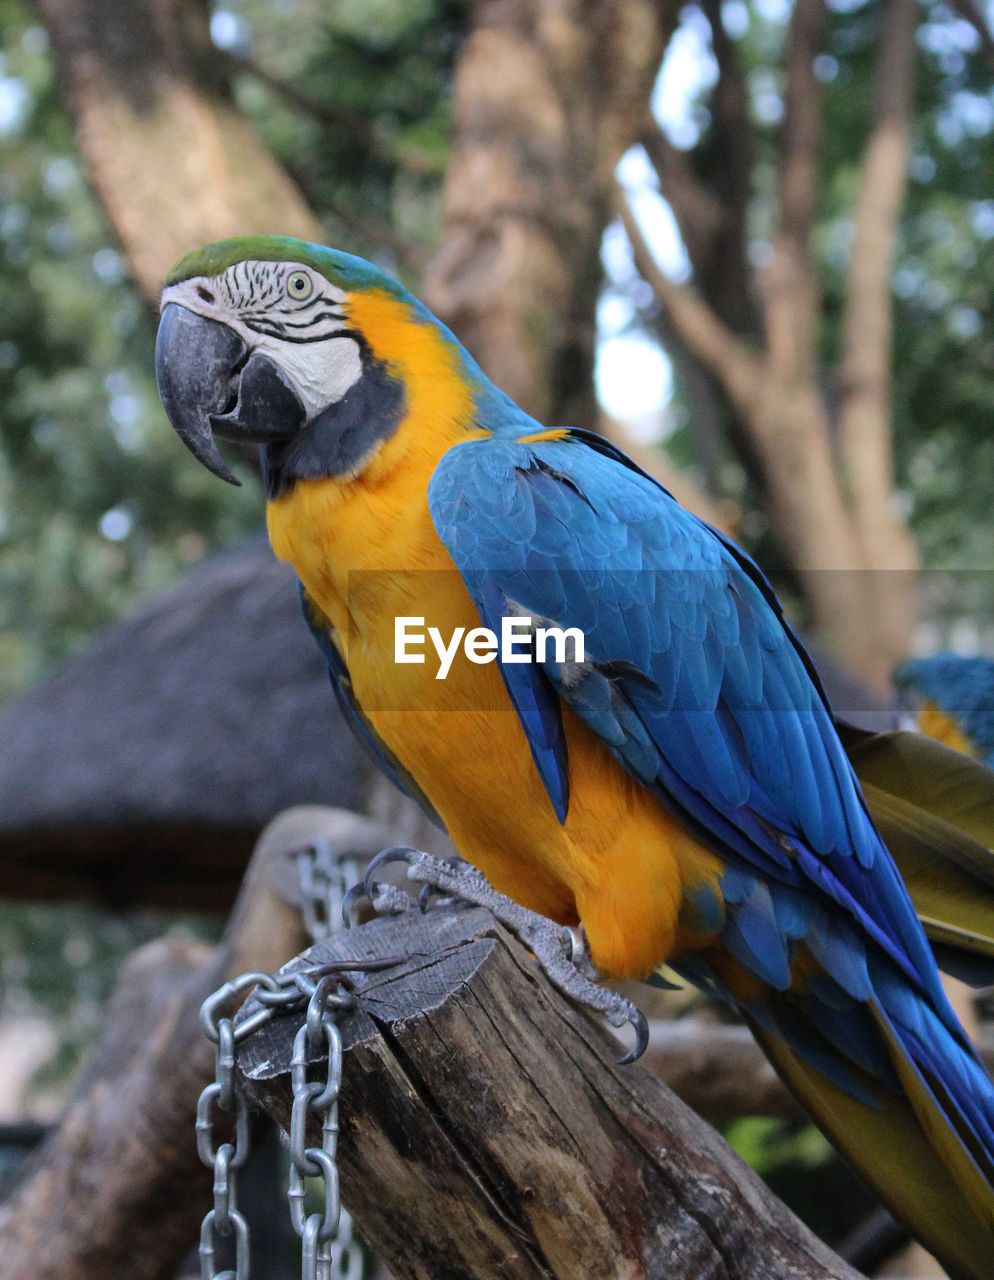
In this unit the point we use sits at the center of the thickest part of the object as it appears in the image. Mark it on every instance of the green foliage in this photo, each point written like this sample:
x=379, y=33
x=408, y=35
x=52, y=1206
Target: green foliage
x=362, y=121
x=97, y=505
x=62, y=964
x=943, y=285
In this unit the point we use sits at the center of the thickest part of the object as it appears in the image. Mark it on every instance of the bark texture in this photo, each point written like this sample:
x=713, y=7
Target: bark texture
x=118, y=1189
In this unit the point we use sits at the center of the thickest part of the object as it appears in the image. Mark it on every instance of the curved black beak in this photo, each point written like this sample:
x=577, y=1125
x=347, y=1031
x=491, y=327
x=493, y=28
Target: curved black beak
x=195, y=363
x=209, y=388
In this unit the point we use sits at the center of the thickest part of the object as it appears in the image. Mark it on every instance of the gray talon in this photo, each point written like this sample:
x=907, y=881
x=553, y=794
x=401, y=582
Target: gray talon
x=396, y=853
x=562, y=952
x=352, y=898
x=639, y=1021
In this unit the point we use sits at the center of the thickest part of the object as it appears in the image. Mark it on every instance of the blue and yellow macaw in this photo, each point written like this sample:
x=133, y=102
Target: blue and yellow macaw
x=957, y=700
x=680, y=787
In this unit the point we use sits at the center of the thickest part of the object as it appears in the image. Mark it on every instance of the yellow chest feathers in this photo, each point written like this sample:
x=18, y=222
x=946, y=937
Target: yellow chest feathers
x=376, y=519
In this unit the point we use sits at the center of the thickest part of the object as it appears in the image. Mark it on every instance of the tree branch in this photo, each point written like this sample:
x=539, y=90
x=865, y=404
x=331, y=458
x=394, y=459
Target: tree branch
x=865, y=368
x=790, y=286
x=733, y=137
x=733, y=122
x=697, y=211
x=118, y=1189
x=146, y=101
x=362, y=128
x=711, y=213
x=714, y=344
x=864, y=374
x=546, y=99
x=801, y=123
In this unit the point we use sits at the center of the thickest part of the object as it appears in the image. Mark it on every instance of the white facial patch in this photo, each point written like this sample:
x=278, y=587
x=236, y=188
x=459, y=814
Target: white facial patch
x=307, y=337
x=321, y=372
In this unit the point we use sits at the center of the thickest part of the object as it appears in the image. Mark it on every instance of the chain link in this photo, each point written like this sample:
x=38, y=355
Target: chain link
x=325, y=875
x=319, y=1098
x=226, y=1158
x=329, y=1250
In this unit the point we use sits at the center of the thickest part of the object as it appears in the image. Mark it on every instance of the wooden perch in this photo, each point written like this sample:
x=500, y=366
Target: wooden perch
x=118, y=1190
x=486, y=1129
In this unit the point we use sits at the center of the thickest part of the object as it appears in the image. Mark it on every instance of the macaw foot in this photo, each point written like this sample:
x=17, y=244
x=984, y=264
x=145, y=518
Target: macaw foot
x=561, y=951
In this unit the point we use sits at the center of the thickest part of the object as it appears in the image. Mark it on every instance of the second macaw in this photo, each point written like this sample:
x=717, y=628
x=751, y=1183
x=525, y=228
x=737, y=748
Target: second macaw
x=957, y=700
x=679, y=786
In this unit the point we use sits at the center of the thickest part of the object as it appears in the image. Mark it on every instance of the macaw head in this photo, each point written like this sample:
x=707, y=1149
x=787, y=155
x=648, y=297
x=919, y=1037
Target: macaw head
x=311, y=352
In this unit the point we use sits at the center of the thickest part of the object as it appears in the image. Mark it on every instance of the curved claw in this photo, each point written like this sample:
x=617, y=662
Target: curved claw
x=365, y=889
x=396, y=853
x=352, y=898
x=641, y=1026
x=424, y=897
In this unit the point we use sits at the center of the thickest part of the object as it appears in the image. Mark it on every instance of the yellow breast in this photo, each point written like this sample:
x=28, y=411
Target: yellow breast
x=367, y=552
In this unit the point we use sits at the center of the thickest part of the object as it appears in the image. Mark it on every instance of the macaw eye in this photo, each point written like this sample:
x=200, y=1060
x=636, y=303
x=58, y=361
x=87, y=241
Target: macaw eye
x=299, y=285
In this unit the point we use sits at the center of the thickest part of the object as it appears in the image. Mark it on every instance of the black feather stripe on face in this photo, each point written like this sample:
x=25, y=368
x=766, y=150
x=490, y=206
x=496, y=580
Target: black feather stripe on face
x=342, y=435
x=256, y=293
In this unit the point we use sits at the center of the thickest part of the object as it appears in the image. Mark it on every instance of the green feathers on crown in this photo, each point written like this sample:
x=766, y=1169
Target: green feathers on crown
x=342, y=269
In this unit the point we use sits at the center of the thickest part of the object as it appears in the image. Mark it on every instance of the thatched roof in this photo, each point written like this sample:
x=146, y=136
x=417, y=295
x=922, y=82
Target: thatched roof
x=144, y=769
x=146, y=766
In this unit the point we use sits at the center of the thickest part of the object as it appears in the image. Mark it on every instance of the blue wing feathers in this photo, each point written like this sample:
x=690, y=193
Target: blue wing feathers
x=537, y=706
x=698, y=686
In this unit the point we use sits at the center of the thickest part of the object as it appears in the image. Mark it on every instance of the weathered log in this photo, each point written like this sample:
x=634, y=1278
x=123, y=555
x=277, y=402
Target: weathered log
x=118, y=1190
x=113, y=1190
x=486, y=1129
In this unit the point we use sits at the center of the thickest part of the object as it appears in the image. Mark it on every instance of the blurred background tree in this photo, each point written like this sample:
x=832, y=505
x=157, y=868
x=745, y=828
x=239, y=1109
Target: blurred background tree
x=192, y=121
x=759, y=235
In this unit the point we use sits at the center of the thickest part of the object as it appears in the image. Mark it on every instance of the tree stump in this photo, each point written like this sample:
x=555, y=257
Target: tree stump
x=487, y=1130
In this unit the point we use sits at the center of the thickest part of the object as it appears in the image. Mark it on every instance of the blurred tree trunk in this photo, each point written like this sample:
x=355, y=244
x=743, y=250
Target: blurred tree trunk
x=823, y=467
x=548, y=97
x=172, y=161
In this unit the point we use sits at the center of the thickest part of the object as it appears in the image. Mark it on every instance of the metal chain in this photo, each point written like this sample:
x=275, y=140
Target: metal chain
x=325, y=875
x=319, y=1230
x=227, y=1158
x=329, y=1249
